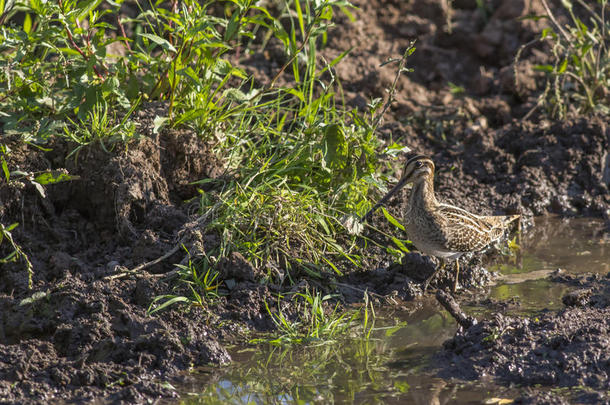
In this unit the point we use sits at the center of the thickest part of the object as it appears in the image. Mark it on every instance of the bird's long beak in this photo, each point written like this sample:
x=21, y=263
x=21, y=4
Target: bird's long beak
x=386, y=197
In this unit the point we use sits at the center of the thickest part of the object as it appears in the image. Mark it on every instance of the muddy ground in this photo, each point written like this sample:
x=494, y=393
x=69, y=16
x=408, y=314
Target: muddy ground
x=568, y=348
x=82, y=332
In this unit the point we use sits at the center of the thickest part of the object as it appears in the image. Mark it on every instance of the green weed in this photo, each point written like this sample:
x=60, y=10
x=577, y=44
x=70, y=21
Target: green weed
x=17, y=253
x=201, y=279
x=297, y=160
x=314, y=323
x=579, y=77
x=99, y=127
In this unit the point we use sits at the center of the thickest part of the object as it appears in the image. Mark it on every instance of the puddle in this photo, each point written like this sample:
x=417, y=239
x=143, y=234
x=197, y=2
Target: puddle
x=390, y=367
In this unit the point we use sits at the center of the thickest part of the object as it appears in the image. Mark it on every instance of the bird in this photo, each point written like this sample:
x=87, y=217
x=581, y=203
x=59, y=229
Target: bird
x=438, y=229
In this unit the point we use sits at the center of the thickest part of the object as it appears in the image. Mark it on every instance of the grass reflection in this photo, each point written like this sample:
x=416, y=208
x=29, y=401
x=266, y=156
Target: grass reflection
x=350, y=369
x=379, y=361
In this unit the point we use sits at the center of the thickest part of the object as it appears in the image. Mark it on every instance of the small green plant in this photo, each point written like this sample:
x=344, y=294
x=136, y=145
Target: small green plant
x=101, y=128
x=17, y=253
x=456, y=89
x=494, y=335
x=313, y=324
x=579, y=78
x=200, y=277
x=304, y=164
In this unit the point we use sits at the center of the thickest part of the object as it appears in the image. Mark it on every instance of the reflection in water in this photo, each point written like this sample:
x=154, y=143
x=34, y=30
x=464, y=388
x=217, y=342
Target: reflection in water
x=577, y=245
x=386, y=368
x=390, y=366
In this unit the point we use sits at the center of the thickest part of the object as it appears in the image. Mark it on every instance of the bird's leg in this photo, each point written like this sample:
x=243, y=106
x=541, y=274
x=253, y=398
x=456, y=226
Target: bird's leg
x=457, y=275
x=429, y=279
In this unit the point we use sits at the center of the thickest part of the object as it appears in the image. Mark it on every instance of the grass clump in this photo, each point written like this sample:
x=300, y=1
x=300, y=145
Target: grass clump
x=297, y=159
x=201, y=279
x=315, y=321
x=578, y=80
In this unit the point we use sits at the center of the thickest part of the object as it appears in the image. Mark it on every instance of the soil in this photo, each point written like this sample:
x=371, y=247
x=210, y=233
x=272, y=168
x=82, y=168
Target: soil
x=568, y=348
x=82, y=331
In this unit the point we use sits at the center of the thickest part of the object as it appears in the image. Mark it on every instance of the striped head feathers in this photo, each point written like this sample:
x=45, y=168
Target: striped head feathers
x=417, y=168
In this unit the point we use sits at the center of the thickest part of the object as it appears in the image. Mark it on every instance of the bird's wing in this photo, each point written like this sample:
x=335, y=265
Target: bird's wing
x=467, y=232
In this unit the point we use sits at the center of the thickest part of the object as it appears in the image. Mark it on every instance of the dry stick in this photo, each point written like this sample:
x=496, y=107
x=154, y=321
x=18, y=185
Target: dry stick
x=391, y=98
x=120, y=24
x=449, y=303
x=359, y=290
x=198, y=223
x=552, y=18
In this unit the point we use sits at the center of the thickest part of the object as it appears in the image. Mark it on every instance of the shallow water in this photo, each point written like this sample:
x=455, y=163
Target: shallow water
x=392, y=366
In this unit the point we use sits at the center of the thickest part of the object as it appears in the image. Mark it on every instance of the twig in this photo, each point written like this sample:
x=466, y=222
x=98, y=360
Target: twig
x=125, y=39
x=449, y=303
x=75, y=46
x=185, y=234
x=552, y=18
x=294, y=55
x=392, y=98
x=359, y=290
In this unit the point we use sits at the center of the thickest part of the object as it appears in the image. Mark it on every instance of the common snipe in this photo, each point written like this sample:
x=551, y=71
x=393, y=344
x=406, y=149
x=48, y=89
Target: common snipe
x=437, y=229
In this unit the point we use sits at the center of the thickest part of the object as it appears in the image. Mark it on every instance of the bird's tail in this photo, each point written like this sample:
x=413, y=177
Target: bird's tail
x=502, y=221
x=510, y=218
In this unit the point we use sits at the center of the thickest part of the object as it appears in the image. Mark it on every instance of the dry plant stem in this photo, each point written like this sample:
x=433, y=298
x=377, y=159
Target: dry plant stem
x=298, y=51
x=200, y=222
x=552, y=18
x=120, y=24
x=449, y=303
x=516, y=60
x=392, y=96
x=351, y=287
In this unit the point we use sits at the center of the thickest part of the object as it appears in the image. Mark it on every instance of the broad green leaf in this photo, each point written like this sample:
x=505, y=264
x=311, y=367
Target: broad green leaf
x=400, y=245
x=544, y=68
x=323, y=223
x=232, y=27
x=87, y=6
x=547, y=32
x=391, y=219
x=53, y=177
x=298, y=94
x=564, y=65
x=35, y=297
x=27, y=23
x=394, y=149
x=167, y=303
x=158, y=123
x=334, y=146
x=163, y=43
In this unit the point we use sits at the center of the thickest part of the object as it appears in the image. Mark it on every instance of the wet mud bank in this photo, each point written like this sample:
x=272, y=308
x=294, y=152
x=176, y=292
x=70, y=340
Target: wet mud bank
x=567, y=349
x=82, y=331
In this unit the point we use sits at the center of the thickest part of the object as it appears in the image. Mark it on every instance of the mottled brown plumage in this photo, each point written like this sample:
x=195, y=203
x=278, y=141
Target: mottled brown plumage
x=438, y=229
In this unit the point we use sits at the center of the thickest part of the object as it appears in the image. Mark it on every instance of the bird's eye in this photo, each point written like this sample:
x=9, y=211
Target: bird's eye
x=419, y=164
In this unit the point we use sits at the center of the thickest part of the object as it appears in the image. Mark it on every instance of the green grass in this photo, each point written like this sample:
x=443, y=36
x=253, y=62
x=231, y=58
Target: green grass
x=299, y=162
x=315, y=323
x=578, y=79
x=201, y=279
